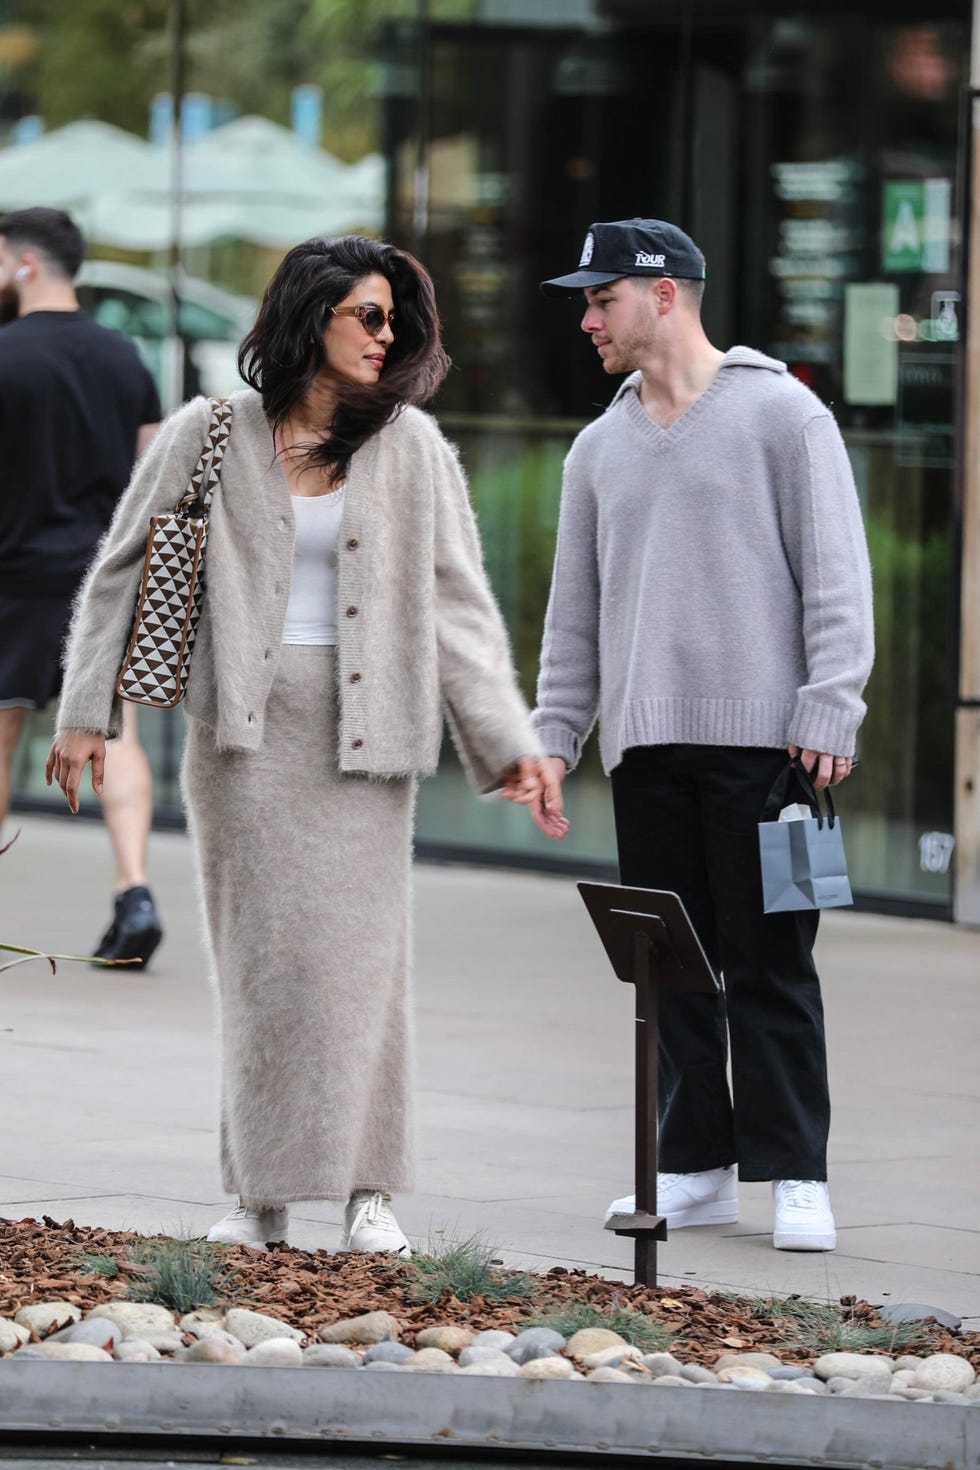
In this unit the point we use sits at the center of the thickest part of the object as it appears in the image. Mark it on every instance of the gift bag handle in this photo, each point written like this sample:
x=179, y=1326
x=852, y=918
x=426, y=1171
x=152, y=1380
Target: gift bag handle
x=776, y=799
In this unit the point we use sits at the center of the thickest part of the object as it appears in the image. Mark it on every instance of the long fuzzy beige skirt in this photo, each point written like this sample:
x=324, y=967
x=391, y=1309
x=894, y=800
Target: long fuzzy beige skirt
x=306, y=879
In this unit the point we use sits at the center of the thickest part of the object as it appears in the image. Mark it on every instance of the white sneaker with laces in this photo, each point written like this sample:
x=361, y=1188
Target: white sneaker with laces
x=707, y=1198
x=253, y=1225
x=370, y=1224
x=804, y=1220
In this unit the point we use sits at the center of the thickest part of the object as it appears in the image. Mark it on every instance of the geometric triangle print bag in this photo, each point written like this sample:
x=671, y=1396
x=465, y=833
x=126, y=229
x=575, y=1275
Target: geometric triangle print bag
x=168, y=605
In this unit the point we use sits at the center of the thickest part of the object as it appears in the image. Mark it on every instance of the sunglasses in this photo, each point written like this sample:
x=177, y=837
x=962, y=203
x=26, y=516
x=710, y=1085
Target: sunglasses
x=372, y=318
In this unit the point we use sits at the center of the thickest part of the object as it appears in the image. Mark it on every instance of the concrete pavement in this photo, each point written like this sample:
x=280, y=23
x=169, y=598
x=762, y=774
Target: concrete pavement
x=524, y=1083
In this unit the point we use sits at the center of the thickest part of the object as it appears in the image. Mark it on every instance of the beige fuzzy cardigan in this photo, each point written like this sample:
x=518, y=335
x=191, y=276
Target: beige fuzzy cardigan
x=420, y=631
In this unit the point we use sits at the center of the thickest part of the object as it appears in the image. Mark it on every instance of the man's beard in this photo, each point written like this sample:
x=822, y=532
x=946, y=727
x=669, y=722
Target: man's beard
x=9, y=305
x=627, y=354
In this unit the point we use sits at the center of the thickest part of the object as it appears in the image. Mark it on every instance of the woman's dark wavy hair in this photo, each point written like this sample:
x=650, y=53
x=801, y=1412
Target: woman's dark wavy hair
x=283, y=352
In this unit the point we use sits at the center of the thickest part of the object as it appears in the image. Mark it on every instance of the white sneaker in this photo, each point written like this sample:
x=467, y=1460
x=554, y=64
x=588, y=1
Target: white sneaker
x=804, y=1220
x=708, y=1198
x=370, y=1225
x=251, y=1225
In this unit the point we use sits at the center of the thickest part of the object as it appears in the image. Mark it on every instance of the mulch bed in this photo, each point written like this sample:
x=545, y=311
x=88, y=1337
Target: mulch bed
x=39, y=1261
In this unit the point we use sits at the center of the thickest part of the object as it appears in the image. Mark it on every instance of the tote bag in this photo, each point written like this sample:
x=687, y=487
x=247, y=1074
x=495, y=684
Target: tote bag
x=803, y=862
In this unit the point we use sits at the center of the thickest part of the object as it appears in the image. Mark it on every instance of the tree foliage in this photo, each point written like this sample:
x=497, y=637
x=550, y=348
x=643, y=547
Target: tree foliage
x=108, y=58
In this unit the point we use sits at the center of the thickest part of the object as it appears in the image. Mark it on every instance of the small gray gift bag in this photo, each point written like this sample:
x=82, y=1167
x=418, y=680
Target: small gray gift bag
x=803, y=863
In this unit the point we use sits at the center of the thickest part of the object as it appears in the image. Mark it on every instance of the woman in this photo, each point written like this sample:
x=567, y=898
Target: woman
x=346, y=606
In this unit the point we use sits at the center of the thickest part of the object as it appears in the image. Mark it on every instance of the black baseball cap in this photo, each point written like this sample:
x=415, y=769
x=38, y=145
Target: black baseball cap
x=630, y=247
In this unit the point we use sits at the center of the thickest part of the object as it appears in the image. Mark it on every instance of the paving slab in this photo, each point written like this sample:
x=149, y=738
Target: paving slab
x=525, y=1087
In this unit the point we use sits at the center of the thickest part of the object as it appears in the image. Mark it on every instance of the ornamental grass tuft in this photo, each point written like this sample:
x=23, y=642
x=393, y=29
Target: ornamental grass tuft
x=634, y=1327
x=467, y=1268
x=180, y=1274
x=822, y=1327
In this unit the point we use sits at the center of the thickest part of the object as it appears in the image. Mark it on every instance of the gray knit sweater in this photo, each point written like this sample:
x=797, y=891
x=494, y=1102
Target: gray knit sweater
x=711, y=582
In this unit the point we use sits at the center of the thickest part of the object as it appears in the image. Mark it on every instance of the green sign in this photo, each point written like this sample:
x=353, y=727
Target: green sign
x=915, y=225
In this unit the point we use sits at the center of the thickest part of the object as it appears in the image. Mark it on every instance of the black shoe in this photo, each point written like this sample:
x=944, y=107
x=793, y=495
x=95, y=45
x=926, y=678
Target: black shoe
x=135, y=930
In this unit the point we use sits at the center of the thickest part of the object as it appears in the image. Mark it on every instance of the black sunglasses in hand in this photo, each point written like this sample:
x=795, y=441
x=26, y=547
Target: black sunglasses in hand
x=371, y=317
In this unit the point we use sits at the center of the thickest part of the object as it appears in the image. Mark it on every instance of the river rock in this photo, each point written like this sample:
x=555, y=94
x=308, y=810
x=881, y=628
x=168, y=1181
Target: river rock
x=254, y=1327
x=202, y=1317
x=44, y=1317
x=276, y=1352
x=535, y=1342
x=448, y=1336
x=476, y=1353
x=135, y=1350
x=369, y=1328
x=497, y=1366
x=98, y=1331
x=382, y=1367
x=74, y=1352
x=614, y=1357
x=388, y=1351
x=607, y=1375
x=853, y=1365
x=590, y=1340
x=12, y=1335
x=742, y=1375
x=546, y=1367
x=747, y=1360
x=919, y=1312
x=788, y=1371
x=210, y=1350
x=909, y=1361
x=494, y=1337
x=694, y=1373
x=865, y=1388
x=430, y=1360
x=331, y=1355
x=671, y=1380
x=136, y=1319
x=211, y=1332
x=164, y=1342
x=944, y=1371
x=661, y=1363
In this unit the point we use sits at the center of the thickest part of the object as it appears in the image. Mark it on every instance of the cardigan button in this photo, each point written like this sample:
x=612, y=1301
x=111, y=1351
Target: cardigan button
x=282, y=523
x=353, y=543
x=355, y=678
x=352, y=612
x=356, y=744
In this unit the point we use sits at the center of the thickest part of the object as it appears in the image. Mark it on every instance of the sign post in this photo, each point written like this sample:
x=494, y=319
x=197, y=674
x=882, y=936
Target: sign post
x=651, y=943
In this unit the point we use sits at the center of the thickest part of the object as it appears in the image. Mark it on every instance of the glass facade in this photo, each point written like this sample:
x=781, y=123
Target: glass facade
x=816, y=156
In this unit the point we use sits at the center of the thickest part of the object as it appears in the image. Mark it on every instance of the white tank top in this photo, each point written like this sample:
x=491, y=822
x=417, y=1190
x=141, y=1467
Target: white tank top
x=311, y=613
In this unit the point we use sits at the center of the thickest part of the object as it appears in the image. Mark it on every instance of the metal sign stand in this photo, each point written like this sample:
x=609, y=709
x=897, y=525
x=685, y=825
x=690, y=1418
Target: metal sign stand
x=651, y=943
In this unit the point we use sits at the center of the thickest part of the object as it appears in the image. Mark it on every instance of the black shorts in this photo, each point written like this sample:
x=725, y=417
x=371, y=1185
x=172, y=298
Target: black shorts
x=32, y=636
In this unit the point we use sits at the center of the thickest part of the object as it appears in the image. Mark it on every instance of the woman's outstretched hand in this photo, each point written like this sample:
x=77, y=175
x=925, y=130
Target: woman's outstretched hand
x=535, y=781
x=70, y=753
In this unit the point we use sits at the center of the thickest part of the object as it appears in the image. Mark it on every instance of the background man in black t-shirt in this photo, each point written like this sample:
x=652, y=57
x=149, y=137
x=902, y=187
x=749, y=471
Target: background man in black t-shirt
x=77, y=406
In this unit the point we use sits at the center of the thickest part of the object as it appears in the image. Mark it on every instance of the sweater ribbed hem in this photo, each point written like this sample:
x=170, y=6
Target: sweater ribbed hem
x=559, y=741
x=674, y=720
x=822, y=727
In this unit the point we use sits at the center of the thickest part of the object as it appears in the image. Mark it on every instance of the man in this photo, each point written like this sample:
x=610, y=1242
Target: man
x=76, y=408
x=711, y=603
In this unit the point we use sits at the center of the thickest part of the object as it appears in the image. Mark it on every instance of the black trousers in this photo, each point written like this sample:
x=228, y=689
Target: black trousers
x=686, y=819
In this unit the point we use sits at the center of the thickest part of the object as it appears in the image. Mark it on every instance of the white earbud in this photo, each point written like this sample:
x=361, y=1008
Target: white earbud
x=24, y=270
